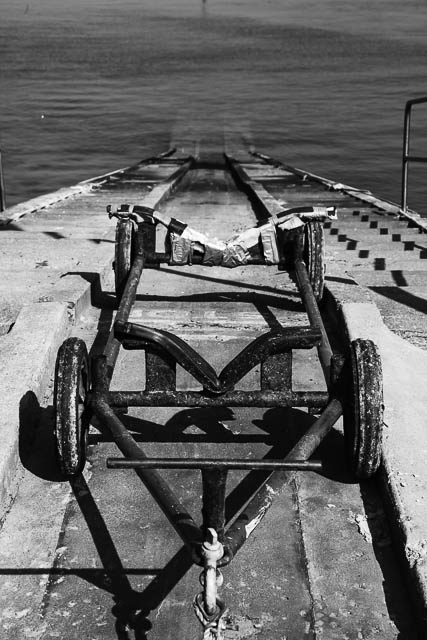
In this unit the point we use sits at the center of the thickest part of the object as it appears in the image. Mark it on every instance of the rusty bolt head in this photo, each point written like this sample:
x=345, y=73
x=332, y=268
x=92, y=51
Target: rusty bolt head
x=211, y=543
x=212, y=536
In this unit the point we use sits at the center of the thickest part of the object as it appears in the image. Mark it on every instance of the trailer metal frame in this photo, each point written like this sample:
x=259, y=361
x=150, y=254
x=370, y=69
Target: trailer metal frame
x=214, y=544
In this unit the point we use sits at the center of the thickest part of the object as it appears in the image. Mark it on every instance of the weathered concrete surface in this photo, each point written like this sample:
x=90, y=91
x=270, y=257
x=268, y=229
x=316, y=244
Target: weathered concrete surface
x=56, y=256
x=119, y=569
x=405, y=441
x=223, y=323
x=26, y=357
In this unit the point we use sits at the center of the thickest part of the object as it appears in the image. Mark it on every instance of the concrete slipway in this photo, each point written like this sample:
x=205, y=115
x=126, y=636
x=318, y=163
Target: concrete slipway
x=55, y=258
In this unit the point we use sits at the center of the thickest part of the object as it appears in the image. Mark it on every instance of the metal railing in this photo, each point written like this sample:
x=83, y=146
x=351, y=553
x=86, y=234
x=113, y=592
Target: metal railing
x=2, y=189
x=406, y=158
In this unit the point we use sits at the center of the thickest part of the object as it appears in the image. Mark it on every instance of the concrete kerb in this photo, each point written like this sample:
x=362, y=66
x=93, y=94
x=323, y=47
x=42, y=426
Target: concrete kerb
x=403, y=478
x=28, y=351
x=27, y=358
x=27, y=355
x=80, y=291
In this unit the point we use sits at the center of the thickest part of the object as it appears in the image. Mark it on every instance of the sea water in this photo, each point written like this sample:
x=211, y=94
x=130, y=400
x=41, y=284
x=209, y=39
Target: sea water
x=89, y=87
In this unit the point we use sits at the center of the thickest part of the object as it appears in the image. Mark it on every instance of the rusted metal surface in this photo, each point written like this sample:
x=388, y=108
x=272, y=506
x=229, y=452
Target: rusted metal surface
x=228, y=399
x=129, y=293
x=272, y=351
x=271, y=343
x=215, y=543
x=312, y=309
x=214, y=463
x=277, y=383
x=214, y=482
x=257, y=508
x=146, y=544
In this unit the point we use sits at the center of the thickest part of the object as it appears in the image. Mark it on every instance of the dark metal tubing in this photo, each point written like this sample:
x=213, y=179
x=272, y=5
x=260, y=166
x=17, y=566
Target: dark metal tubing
x=213, y=512
x=228, y=399
x=405, y=154
x=214, y=481
x=304, y=285
x=231, y=464
x=256, y=509
x=306, y=291
x=173, y=346
x=182, y=522
x=263, y=348
x=129, y=293
x=159, y=489
x=112, y=348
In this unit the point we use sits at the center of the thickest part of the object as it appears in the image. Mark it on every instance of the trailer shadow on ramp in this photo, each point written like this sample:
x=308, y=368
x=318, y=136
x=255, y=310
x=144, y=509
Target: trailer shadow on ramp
x=132, y=608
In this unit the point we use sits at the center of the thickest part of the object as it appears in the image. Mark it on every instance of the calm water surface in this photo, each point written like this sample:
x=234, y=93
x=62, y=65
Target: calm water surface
x=88, y=87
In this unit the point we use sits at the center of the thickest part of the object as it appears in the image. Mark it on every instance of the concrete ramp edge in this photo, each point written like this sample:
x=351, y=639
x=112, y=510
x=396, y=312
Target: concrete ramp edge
x=403, y=477
x=27, y=357
x=27, y=360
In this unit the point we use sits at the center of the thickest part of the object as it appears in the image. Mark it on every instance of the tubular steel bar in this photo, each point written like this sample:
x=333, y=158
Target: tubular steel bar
x=213, y=463
x=159, y=489
x=129, y=293
x=214, y=481
x=112, y=347
x=228, y=399
x=270, y=207
x=163, y=346
x=304, y=286
x=406, y=158
x=256, y=509
x=267, y=345
x=156, y=197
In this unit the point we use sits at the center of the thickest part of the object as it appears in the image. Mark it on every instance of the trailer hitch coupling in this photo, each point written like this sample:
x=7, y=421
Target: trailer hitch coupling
x=208, y=607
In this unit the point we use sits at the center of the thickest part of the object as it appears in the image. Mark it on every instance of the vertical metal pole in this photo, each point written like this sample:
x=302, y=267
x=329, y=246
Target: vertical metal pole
x=405, y=155
x=2, y=189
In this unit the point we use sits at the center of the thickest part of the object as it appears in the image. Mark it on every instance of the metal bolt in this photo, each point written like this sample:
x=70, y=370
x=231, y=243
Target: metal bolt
x=213, y=549
x=211, y=538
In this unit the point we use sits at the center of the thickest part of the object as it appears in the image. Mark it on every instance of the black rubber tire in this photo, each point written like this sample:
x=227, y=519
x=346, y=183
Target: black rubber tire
x=363, y=409
x=71, y=386
x=314, y=256
x=124, y=249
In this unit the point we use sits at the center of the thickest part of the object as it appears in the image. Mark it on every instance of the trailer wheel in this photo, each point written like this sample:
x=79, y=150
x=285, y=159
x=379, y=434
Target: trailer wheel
x=123, y=253
x=363, y=409
x=314, y=250
x=71, y=386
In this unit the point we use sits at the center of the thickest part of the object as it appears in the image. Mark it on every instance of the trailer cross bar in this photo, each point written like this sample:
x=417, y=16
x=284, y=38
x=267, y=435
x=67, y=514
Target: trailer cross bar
x=213, y=463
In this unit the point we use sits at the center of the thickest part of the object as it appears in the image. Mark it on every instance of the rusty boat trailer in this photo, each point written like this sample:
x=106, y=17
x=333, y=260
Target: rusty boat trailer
x=353, y=382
